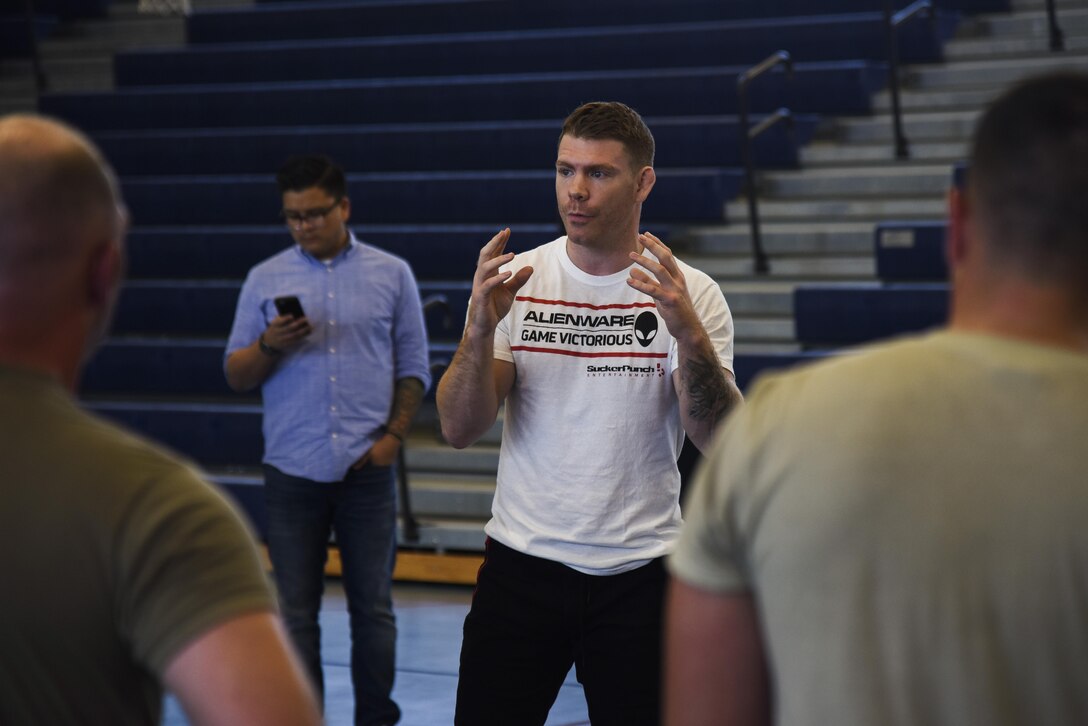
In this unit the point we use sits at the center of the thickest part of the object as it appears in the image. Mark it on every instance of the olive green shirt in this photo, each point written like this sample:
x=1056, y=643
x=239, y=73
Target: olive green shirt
x=113, y=556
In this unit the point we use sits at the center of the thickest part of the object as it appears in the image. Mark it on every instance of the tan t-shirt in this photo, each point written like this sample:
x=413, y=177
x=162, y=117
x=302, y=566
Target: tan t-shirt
x=113, y=556
x=913, y=523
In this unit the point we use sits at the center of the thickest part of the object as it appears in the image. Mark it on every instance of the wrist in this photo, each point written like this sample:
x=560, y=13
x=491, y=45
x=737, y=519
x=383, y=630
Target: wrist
x=394, y=434
x=268, y=349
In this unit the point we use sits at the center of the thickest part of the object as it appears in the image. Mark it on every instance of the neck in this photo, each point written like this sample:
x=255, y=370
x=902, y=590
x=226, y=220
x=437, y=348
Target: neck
x=1023, y=311
x=605, y=259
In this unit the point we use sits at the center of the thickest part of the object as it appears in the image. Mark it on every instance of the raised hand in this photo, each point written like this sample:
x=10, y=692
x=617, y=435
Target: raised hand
x=666, y=286
x=493, y=291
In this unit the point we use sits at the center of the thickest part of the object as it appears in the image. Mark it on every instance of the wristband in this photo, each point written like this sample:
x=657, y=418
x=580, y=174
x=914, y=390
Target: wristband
x=394, y=434
x=266, y=348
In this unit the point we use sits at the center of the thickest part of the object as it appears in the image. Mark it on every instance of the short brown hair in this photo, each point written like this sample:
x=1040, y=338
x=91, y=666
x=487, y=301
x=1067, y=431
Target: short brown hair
x=1028, y=175
x=616, y=121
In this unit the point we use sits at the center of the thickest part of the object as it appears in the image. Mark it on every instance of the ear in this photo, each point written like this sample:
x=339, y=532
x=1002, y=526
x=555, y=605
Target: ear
x=345, y=208
x=105, y=267
x=646, y=179
x=957, y=244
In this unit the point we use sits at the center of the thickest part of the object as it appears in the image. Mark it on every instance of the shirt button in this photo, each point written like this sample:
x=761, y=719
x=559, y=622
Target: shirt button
x=332, y=408
x=332, y=350
x=335, y=435
x=332, y=378
x=332, y=295
x=332, y=322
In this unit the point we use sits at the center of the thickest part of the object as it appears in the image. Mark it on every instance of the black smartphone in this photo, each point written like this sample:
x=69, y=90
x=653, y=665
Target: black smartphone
x=289, y=305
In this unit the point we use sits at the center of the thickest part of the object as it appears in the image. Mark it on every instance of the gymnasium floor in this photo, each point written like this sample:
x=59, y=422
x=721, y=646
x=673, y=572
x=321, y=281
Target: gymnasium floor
x=429, y=619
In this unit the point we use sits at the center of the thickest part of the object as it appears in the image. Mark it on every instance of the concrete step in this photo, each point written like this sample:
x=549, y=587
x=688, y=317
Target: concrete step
x=941, y=127
x=901, y=180
x=449, y=495
x=778, y=239
x=826, y=154
x=989, y=73
x=443, y=535
x=824, y=210
x=915, y=101
x=477, y=459
x=764, y=330
x=758, y=298
x=970, y=49
x=807, y=268
x=1031, y=23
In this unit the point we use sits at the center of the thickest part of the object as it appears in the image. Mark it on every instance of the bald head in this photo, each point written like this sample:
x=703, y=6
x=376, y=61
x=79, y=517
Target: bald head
x=57, y=195
x=61, y=227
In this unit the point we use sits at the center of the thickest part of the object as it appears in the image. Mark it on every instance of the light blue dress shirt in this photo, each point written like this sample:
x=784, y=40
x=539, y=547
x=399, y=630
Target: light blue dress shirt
x=327, y=400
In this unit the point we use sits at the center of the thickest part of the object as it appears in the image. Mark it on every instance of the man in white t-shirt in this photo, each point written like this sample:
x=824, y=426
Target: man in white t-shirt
x=899, y=536
x=606, y=349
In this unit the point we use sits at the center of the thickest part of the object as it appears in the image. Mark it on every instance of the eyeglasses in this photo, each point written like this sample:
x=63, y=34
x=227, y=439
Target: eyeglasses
x=315, y=217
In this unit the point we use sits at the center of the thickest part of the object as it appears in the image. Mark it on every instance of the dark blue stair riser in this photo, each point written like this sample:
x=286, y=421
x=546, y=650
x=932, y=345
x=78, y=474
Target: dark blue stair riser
x=435, y=253
x=204, y=310
x=433, y=147
x=849, y=316
x=469, y=197
x=748, y=366
x=213, y=437
x=675, y=45
x=911, y=251
x=15, y=38
x=173, y=367
x=311, y=20
x=841, y=88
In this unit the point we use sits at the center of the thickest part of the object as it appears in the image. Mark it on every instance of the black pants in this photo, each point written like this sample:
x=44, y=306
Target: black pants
x=531, y=619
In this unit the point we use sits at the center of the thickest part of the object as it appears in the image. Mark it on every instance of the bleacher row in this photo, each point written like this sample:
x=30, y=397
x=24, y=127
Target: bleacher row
x=446, y=114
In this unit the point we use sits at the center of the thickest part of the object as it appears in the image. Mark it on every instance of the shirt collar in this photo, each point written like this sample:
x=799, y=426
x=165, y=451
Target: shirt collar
x=351, y=248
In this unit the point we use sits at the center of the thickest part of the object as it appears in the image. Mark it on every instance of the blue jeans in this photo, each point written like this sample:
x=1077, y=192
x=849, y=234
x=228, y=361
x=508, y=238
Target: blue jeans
x=362, y=510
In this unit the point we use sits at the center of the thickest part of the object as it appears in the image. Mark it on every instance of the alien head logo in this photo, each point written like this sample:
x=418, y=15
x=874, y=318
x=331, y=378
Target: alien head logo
x=645, y=328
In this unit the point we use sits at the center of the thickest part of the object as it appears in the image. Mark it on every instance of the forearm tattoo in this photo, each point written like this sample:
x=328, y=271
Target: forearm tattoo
x=407, y=395
x=709, y=394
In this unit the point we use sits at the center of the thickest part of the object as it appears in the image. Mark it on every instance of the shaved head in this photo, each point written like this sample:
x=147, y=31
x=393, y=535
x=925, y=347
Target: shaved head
x=62, y=223
x=57, y=194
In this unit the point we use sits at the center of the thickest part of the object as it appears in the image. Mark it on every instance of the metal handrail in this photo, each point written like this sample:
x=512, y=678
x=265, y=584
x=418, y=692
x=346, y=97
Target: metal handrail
x=411, y=524
x=1057, y=40
x=745, y=79
x=32, y=38
x=892, y=21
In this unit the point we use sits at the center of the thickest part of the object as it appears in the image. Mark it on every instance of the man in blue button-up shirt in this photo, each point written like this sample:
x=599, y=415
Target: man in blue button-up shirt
x=341, y=384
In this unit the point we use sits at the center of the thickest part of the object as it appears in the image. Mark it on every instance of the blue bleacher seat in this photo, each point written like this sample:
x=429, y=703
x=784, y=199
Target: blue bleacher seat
x=418, y=197
x=843, y=87
x=338, y=19
x=682, y=141
x=828, y=316
x=435, y=252
x=703, y=43
x=911, y=251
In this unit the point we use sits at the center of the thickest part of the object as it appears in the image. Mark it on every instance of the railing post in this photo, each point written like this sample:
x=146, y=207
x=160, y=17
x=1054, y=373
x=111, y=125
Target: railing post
x=32, y=38
x=892, y=21
x=759, y=257
x=902, y=147
x=1057, y=40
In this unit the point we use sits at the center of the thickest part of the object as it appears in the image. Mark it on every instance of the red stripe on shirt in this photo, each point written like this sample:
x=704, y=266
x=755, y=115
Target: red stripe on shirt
x=522, y=298
x=579, y=354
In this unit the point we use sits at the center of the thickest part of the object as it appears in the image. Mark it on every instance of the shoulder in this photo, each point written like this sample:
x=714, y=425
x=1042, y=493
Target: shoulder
x=276, y=264
x=376, y=257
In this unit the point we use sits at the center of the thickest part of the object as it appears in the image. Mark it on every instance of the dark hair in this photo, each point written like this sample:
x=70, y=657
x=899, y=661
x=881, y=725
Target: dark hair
x=1028, y=178
x=312, y=170
x=616, y=121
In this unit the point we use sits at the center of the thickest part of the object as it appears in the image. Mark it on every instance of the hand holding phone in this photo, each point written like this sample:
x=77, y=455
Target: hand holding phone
x=289, y=305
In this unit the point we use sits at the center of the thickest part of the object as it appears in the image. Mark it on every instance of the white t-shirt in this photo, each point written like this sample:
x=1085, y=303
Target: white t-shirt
x=587, y=470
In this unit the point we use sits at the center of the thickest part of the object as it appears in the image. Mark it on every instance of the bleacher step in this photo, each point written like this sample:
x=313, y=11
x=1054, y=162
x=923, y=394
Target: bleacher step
x=872, y=211
x=777, y=239
x=902, y=180
x=824, y=154
x=937, y=126
x=997, y=72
